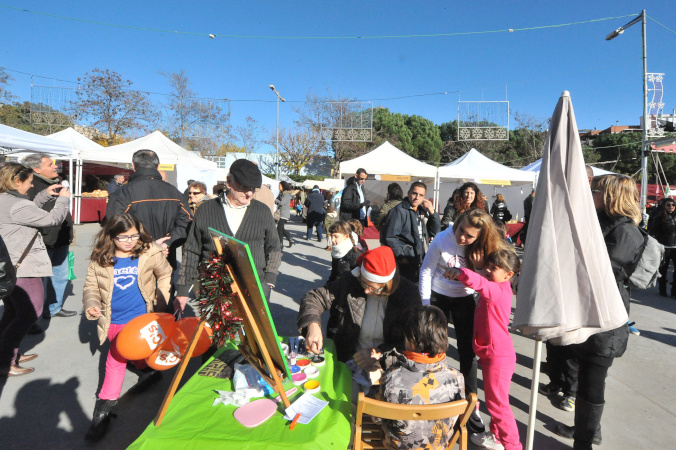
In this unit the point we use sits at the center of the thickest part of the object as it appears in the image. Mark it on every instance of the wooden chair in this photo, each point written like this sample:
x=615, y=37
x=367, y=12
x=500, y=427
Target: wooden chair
x=369, y=435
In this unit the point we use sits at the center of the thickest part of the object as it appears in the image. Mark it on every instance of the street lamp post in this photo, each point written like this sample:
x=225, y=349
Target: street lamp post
x=279, y=97
x=644, y=153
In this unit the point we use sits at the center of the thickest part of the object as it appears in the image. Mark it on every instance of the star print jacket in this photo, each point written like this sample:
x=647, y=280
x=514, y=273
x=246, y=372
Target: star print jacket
x=154, y=282
x=416, y=379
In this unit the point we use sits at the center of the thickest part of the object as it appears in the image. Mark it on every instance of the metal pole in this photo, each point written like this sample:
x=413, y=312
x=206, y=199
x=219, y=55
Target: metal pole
x=537, y=358
x=277, y=144
x=644, y=150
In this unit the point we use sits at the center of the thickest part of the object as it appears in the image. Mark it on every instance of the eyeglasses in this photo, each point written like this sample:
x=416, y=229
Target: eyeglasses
x=371, y=288
x=671, y=205
x=133, y=237
x=195, y=193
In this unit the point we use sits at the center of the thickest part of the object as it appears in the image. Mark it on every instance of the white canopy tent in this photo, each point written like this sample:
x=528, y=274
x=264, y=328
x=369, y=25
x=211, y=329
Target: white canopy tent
x=535, y=167
x=188, y=166
x=388, y=163
x=82, y=147
x=491, y=177
x=20, y=143
x=15, y=140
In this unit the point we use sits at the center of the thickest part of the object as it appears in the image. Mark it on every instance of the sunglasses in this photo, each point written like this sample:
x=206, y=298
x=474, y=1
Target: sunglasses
x=195, y=193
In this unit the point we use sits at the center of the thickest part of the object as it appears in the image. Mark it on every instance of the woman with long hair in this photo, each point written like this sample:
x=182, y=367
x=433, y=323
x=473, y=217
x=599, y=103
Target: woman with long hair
x=20, y=224
x=283, y=202
x=616, y=202
x=472, y=238
x=469, y=197
x=663, y=227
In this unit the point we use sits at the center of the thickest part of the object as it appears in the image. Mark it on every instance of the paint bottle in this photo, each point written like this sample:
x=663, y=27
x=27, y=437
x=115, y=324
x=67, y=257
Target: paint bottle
x=292, y=358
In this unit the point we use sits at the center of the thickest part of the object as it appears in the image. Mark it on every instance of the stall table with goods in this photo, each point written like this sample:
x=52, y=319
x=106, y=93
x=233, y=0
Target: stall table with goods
x=93, y=206
x=195, y=419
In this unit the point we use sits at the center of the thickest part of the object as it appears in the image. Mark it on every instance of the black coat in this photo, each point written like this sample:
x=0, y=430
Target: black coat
x=315, y=203
x=346, y=300
x=350, y=201
x=624, y=242
x=59, y=235
x=344, y=264
x=162, y=209
x=500, y=212
x=400, y=231
x=663, y=228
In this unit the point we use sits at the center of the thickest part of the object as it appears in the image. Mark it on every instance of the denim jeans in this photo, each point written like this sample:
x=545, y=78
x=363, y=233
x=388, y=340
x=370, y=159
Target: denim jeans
x=55, y=286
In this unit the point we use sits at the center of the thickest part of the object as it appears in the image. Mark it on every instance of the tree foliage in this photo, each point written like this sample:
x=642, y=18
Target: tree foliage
x=5, y=78
x=17, y=115
x=109, y=103
x=196, y=124
x=297, y=147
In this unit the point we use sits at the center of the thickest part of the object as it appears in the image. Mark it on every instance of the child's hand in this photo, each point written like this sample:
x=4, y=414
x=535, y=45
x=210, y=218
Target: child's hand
x=367, y=359
x=477, y=259
x=452, y=273
x=94, y=311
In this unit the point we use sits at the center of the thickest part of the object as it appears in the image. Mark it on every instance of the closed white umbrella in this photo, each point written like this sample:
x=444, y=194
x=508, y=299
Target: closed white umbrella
x=567, y=290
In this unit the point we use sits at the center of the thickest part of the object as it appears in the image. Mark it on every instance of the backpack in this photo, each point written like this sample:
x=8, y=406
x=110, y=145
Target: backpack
x=646, y=272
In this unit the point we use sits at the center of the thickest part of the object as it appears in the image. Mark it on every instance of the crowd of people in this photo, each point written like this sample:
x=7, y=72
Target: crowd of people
x=389, y=307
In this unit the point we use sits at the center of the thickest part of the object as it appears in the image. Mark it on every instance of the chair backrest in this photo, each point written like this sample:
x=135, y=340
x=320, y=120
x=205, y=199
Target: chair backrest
x=369, y=435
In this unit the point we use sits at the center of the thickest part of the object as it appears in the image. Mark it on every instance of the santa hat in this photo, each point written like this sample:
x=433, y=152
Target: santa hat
x=377, y=265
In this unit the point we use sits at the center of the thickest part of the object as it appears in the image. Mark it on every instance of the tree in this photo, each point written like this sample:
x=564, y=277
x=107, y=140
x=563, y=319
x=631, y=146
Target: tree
x=298, y=147
x=251, y=135
x=17, y=115
x=425, y=139
x=5, y=78
x=197, y=124
x=106, y=99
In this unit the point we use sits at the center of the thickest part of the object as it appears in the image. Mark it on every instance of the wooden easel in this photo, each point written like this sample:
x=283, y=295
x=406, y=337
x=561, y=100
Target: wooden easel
x=250, y=346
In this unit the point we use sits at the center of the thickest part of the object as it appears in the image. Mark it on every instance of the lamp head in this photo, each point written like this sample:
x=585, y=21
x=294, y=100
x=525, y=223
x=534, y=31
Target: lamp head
x=615, y=34
x=272, y=86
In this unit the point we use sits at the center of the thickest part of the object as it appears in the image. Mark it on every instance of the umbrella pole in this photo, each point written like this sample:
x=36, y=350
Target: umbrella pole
x=537, y=357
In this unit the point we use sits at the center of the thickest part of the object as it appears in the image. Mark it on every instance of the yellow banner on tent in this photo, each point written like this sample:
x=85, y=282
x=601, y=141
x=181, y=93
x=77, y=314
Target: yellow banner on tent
x=168, y=167
x=393, y=177
x=501, y=182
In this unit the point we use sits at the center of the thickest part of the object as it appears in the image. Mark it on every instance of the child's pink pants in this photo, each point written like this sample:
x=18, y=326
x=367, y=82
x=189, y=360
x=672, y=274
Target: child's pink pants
x=497, y=378
x=116, y=366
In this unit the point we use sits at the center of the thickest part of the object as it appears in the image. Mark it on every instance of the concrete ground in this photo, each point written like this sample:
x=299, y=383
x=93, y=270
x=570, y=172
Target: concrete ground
x=52, y=407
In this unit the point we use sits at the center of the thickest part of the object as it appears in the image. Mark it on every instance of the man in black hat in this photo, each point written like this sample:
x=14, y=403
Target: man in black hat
x=236, y=214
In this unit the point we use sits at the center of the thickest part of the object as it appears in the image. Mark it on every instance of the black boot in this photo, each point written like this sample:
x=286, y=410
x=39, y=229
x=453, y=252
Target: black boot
x=587, y=423
x=569, y=432
x=101, y=420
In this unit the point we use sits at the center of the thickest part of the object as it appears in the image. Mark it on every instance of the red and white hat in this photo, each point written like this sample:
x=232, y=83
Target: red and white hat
x=377, y=265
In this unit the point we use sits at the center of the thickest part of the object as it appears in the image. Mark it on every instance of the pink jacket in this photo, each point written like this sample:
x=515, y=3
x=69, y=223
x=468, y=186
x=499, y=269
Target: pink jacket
x=491, y=340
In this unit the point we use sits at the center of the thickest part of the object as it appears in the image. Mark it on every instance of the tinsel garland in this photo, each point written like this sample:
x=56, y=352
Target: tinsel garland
x=216, y=304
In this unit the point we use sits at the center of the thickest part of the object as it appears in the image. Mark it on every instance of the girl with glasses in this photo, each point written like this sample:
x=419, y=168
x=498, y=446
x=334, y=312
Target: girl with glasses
x=128, y=276
x=663, y=227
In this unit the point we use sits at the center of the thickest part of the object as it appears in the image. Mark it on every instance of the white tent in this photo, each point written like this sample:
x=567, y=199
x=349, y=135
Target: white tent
x=388, y=160
x=389, y=164
x=188, y=166
x=14, y=139
x=475, y=167
x=535, y=167
x=492, y=178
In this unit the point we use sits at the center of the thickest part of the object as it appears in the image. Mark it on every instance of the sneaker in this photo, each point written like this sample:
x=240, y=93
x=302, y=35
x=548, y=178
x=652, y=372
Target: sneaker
x=549, y=389
x=486, y=440
x=567, y=403
x=633, y=330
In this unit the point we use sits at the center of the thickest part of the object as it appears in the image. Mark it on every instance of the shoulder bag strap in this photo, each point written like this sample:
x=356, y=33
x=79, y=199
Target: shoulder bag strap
x=28, y=249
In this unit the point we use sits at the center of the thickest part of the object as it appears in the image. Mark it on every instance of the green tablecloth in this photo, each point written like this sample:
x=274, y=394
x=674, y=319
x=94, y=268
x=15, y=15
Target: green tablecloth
x=192, y=423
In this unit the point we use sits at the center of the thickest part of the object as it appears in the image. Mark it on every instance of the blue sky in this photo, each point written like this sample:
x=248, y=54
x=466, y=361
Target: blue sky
x=531, y=68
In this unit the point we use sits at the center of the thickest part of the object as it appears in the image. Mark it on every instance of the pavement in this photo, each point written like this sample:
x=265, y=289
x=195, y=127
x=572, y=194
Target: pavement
x=52, y=407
